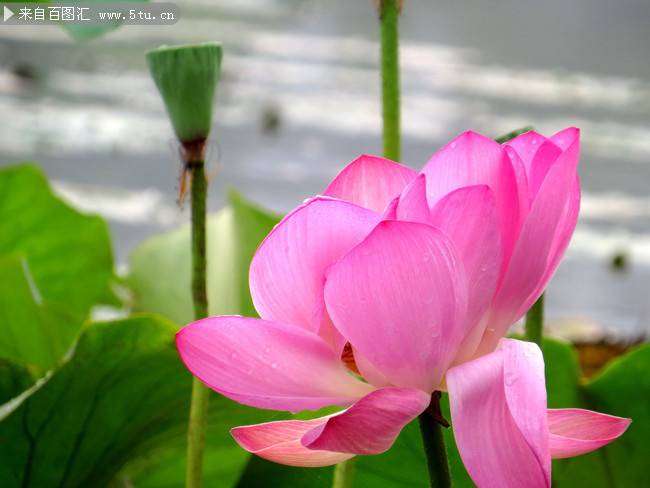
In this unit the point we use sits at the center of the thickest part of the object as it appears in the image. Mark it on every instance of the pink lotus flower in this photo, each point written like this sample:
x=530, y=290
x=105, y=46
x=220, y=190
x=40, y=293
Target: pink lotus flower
x=410, y=281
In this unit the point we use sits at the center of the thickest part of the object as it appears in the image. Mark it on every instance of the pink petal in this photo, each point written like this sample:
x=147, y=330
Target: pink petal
x=538, y=154
x=326, y=330
x=565, y=226
x=412, y=205
x=575, y=431
x=267, y=364
x=566, y=137
x=390, y=212
x=522, y=184
x=526, y=145
x=472, y=159
x=371, y=374
x=569, y=140
x=469, y=217
x=371, y=425
x=400, y=299
x=280, y=442
x=287, y=272
x=498, y=410
x=542, y=242
x=370, y=181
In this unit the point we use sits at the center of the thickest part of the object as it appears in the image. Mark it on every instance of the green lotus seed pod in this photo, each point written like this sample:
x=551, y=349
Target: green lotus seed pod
x=186, y=77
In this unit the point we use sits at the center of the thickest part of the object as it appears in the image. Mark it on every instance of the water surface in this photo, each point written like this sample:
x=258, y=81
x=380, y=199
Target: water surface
x=300, y=99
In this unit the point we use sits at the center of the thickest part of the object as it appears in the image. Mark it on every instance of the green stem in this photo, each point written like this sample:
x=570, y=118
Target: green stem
x=344, y=474
x=434, y=446
x=389, y=14
x=199, y=406
x=535, y=322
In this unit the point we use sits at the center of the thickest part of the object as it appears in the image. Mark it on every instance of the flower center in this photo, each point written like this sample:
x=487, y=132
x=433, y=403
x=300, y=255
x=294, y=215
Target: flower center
x=347, y=356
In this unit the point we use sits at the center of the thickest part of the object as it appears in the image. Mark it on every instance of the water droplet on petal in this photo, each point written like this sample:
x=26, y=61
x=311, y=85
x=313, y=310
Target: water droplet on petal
x=453, y=145
x=274, y=365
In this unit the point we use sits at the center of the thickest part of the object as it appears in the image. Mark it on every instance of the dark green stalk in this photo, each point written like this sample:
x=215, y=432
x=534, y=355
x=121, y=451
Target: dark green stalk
x=389, y=15
x=187, y=77
x=199, y=262
x=434, y=444
x=199, y=405
x=534, y=325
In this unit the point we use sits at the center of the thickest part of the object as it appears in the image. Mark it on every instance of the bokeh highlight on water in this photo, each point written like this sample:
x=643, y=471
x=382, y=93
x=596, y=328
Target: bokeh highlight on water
x=300, y=98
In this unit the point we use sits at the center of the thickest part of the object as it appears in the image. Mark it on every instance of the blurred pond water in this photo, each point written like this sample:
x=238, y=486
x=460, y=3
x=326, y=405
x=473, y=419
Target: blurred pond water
x=300, y=98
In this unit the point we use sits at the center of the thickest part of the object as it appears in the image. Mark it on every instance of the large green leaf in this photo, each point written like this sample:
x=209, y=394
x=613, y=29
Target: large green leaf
x=403, y=465
x=257, y=470
x=164, y=465
x=623, y=389
x=562, y=374
x=122, y=397
x=14, y=379
x=34, y=331
x=56, y=264
x=159, y=271
x=160, y=268
x=67, y=253
x=92, y=413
